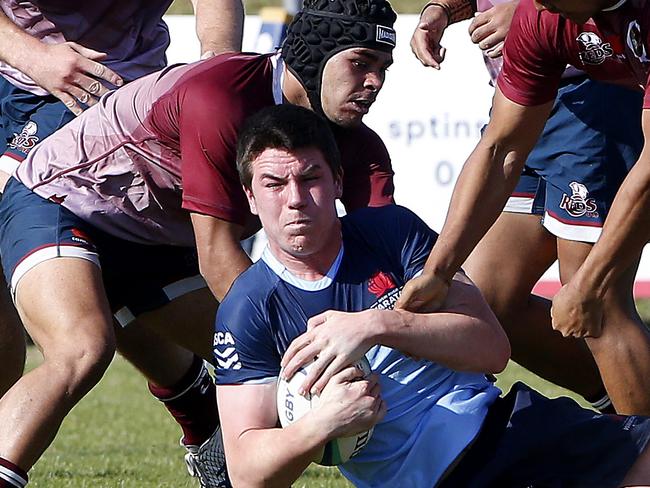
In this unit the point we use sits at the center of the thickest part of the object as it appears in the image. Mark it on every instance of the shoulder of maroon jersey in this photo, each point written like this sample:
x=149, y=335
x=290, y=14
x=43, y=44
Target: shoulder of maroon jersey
x=234, y=84
x=542, y=19
x=219, y=71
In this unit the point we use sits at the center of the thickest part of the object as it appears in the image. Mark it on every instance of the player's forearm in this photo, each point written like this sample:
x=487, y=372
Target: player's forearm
x=485, y=182
x=219, y=25
x=274, y=457
x=472, y=341
x=17, y=46
x=221, y=257
x=456, y=10
x=626, y=231
x=221, y=266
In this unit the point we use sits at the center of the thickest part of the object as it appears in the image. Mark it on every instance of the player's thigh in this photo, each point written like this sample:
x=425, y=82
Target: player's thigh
x=159, y=288
x=184, y=324
x=12, y=342
x=63, y=306
x=187, y=320
x=619, y=298
x=520, y=249
x=571, y=255
x=52, y=268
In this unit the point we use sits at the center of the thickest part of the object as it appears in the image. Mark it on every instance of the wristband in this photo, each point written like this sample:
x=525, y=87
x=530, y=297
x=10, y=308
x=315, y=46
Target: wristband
x=456, y=10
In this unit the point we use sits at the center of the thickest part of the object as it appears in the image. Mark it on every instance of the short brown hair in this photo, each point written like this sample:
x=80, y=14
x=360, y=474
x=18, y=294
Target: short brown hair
x=288, y=127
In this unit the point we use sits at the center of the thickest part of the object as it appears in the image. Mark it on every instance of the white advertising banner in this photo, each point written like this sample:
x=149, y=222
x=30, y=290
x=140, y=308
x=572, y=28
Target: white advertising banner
x=430, y=120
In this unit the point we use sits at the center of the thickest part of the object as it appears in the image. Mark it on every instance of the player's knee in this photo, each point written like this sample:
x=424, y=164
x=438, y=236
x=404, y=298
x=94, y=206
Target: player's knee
x=83, y=364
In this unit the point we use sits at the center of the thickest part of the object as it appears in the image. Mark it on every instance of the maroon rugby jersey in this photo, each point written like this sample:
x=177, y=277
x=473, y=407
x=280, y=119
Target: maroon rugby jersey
x=131, y=32
x=146, y=154
x=613, y=47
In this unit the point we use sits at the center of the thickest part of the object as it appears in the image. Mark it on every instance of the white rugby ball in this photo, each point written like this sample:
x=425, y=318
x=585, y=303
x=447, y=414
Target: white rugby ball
x=292, y=406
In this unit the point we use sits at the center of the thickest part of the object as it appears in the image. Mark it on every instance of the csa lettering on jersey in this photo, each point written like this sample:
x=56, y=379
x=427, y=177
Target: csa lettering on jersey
x=225, y=352
x=223, y=339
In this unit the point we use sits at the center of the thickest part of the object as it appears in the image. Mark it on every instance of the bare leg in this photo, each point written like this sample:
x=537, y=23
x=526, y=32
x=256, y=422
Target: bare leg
x=63, y=306
x=162, y=343
x=622, y=352
x=176, y=375
x=505, y=265
x=12, y=341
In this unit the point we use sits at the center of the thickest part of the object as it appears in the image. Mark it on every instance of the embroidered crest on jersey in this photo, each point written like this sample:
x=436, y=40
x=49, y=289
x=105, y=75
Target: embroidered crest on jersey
x=579, y=204
x=27, y=138
x=384, y=288
x=635, y=41
x=595, y=50
x=225, y=352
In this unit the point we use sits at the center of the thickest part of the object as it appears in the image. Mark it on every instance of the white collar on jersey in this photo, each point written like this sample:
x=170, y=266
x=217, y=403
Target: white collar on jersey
x=614, y=7
x=285, y=275
x=278, y=77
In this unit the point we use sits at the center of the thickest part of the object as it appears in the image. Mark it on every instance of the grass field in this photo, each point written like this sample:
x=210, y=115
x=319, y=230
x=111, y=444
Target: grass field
x=118, y=436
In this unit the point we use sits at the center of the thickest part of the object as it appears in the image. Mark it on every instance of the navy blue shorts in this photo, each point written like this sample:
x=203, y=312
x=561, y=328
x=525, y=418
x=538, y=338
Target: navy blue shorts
x=137, y=277
x=26, y=119
x=528, y=440
x=591, y=140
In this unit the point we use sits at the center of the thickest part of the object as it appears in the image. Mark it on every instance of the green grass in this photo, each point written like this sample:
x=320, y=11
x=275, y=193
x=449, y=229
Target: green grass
x=118, y=436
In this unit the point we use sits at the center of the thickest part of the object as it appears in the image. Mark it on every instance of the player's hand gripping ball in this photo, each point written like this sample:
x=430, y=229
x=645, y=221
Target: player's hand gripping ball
x=292, y=406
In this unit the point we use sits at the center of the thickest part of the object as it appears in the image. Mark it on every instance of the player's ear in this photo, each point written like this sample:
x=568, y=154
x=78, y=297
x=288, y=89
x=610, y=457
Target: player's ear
x=251, y=200
x=338, y=181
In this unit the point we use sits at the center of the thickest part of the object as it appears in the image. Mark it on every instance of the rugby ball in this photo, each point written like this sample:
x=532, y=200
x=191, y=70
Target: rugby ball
x=292, y=406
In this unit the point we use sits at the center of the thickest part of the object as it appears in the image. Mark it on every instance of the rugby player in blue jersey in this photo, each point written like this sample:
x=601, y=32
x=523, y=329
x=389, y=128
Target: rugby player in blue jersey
x=325, y=287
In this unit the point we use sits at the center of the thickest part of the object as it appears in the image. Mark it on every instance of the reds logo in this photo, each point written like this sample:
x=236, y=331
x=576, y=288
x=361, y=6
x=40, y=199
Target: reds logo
x=579, y=203
x=380, y=283
x=595, y=50
x=27, y=139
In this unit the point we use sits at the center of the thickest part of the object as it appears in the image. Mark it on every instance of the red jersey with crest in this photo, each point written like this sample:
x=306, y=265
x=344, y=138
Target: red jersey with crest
x=136, y=163
x=613, y=47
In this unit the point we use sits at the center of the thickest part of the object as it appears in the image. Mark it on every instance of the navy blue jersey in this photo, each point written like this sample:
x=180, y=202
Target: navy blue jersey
x=433, y=412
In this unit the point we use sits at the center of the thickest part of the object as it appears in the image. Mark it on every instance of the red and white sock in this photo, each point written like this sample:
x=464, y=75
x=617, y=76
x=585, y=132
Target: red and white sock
x=192, y=402
x=11, y=476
